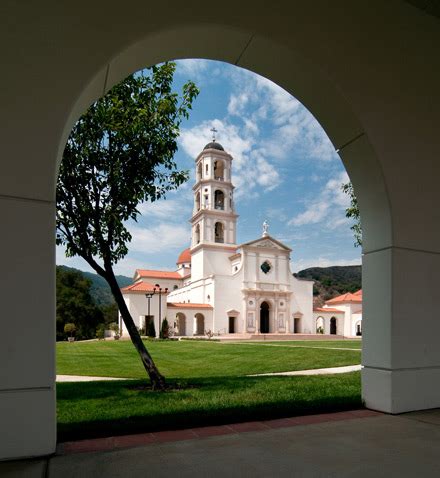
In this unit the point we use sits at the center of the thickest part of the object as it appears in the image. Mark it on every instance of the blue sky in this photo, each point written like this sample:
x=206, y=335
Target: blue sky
x=285, y=170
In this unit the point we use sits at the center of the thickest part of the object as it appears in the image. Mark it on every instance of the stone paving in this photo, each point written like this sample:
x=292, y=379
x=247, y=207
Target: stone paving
x=327, y=445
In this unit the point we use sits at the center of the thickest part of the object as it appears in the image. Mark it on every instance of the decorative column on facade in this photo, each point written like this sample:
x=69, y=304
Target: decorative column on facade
x=195, y=325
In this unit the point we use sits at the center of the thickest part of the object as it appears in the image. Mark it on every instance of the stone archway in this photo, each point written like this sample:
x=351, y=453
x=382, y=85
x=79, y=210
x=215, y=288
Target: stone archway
x=200, y=324
x=180, y=324
x=349, y=86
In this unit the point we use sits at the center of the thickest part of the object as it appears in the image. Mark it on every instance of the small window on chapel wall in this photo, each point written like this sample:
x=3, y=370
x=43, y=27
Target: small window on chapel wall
x=266, y=267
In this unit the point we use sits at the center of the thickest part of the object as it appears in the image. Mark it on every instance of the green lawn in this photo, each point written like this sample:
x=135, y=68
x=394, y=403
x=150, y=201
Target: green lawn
x=212, y=385
x=191, y=359
x=96, y=409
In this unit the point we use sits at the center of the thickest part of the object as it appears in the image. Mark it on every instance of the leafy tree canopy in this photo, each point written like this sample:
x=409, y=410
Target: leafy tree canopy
x=75, y=305
x=119, y=154
x=352, y=212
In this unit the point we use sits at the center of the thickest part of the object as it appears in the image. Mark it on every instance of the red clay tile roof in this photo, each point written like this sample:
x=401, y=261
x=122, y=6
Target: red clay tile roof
x=185, y=256
x=188, y=305
x=158, y=274
x=356, y=297
x=139, y=287
x=327, y=309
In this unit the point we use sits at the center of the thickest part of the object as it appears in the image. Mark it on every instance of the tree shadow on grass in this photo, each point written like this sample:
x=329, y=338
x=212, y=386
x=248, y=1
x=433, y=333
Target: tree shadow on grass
x=97, y=409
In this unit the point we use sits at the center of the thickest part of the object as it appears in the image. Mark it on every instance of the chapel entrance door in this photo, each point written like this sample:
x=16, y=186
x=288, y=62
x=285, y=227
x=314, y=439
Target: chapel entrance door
x=264, y=318
x=232, y=325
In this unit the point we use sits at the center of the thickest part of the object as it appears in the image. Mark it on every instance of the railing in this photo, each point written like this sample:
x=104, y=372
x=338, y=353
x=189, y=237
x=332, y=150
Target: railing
x=219, y=178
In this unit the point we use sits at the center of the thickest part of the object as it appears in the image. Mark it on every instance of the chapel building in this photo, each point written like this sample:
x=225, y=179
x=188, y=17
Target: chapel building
x=220, y=286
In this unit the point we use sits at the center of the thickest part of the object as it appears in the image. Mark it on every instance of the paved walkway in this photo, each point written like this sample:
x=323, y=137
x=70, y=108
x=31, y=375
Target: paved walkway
x=318, y=371
x=86, y=378
x=348, y=444
x=293, y=346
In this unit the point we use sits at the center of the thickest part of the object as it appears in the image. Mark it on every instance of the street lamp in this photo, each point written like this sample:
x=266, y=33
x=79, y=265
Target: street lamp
x=160, y=305
x=149, y=295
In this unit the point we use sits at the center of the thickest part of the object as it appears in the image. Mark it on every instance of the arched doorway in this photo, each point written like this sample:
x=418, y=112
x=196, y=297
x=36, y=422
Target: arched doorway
x=180, y=324
x=264, y=318
x=200, y=324
x=333, y=327
x=320, y=325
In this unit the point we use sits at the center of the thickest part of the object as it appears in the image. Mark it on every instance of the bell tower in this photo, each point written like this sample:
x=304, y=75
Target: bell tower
x=214, y=219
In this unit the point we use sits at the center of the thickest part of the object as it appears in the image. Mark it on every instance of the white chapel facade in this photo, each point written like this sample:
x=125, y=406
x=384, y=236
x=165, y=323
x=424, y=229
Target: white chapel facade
x=219, y=285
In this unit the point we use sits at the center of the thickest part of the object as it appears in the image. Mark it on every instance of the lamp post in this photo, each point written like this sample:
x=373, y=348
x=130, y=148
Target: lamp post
x=149, y=295
x=160, y=306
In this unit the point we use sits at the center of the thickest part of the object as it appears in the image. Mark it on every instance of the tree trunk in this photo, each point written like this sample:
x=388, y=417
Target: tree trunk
x=157, y=380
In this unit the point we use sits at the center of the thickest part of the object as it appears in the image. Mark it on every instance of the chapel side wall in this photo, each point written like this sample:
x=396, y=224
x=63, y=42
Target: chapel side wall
x=303, y=293
x=228, y=295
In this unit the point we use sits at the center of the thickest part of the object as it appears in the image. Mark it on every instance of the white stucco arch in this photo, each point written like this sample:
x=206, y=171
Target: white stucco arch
x=359, y=69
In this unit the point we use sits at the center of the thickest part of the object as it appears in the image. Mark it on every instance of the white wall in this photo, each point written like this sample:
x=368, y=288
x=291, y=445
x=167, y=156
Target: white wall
x=137, y=304
x=374, y=88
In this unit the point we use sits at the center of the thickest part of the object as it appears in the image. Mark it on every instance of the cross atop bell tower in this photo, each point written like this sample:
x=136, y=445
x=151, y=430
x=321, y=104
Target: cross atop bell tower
x=214, y=219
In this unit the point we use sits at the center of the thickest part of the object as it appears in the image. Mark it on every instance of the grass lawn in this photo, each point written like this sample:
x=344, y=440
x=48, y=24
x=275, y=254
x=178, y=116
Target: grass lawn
x=94, y=409
x=213, y=388
x=190, y=359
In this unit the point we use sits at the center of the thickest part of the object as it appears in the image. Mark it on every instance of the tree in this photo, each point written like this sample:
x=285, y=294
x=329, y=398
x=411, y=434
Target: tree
x=352, y=212
x=69, y=328
x=151, y=329
x=165, y=329
x=119, y=154
x=75, y=304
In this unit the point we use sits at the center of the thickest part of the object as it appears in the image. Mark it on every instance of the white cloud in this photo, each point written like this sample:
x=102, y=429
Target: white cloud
x=159, y=238
x=294, y=125
x=128, y=265
x=193, y=68
x=250, y=166
x=328, y=207
x=168, y=208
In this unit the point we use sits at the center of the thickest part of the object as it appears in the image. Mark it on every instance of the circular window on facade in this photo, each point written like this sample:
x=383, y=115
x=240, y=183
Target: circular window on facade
x=281, y=304
x=251, y=302
x=266, y=267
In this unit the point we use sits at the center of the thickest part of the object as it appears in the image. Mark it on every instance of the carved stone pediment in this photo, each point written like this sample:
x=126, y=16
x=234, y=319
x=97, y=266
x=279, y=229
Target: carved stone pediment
x=268, y=243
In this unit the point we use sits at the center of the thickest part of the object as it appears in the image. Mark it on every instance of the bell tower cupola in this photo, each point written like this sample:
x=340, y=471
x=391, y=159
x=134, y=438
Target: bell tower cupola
x=214, y=218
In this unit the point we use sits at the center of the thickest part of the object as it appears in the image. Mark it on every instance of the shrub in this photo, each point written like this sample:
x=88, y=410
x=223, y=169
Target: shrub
x=114, y=327
x=151, y=332
x=165, y=329
x=70, y=329
x=100, y=332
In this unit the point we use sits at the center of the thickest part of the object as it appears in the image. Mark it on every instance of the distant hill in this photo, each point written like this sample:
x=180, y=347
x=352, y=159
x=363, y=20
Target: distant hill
x=332, y=281
x=100, y=290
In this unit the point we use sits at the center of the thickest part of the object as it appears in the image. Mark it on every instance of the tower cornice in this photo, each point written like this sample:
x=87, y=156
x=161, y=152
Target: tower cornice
x=212, y=212
x=216, y=152
x=213, y=181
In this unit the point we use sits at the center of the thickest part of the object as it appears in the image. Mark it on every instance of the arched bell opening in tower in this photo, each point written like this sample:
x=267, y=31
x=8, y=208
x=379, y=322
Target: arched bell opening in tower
x=219, y=232
x=219, y=170
x=219, y=200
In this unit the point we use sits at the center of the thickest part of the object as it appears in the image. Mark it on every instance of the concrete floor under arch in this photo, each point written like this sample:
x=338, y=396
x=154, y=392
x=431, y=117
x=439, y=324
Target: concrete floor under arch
x=369, y=72
x=346, y=444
